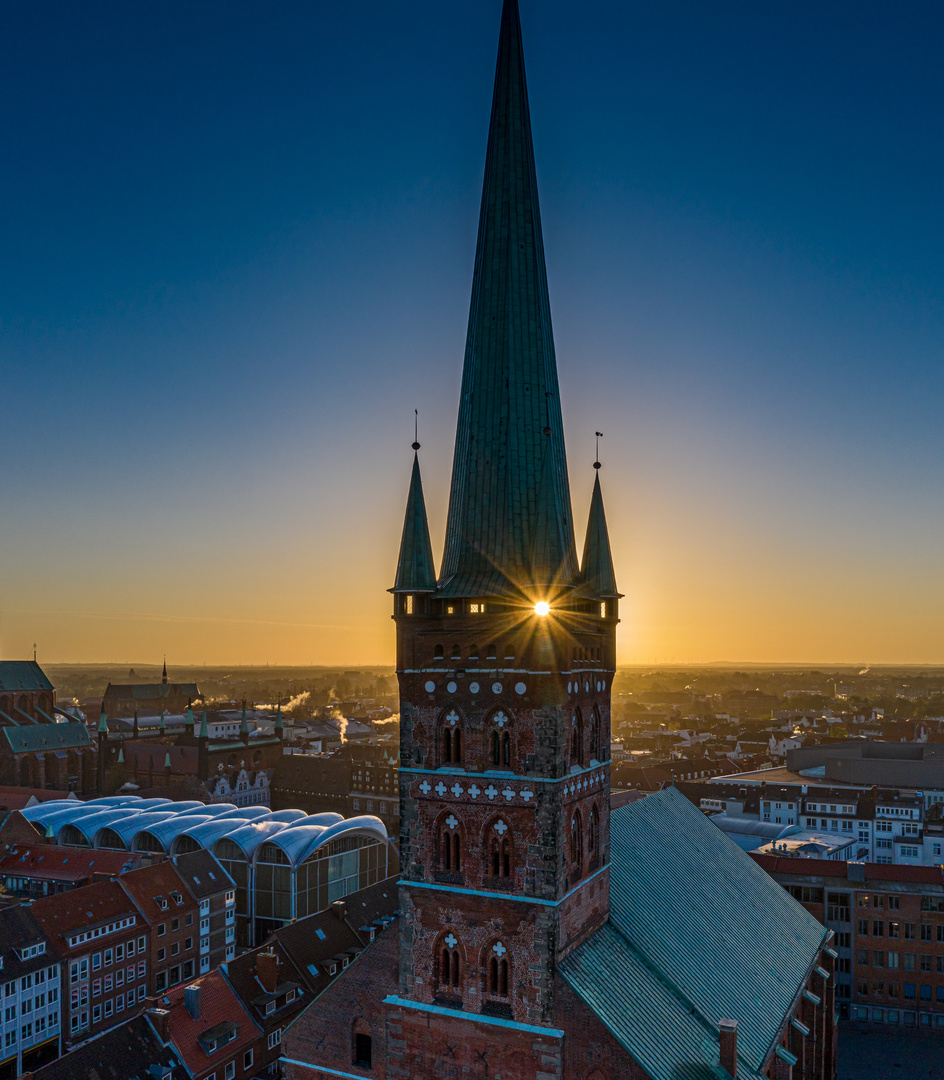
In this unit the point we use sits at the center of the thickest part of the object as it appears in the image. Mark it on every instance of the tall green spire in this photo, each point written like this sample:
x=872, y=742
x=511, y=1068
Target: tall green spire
x=204, y=733
x=596, y=568
x=102, y=722
x=510, y=520
x=415, y=572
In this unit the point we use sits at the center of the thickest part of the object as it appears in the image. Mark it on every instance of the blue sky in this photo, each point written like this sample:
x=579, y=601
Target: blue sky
x=236, y=254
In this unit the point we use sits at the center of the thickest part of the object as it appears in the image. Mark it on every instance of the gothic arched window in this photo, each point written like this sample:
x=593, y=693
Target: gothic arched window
x=497, y=971
x=456, y=652
x=596, y=731
x=450, y=846
x=576, y=739
x=576, y=843
x=451, y=739
x=438, y=652
x=499, y=850
x=593, y=839
x=449, y=965
x=500, y=739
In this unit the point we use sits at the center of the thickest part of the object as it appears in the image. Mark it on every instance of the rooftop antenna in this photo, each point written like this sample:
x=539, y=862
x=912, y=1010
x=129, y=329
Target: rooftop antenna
x=416, y=429
x=599, y=436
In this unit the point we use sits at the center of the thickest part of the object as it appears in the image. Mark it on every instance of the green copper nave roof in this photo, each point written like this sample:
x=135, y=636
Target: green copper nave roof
x=510, y=518
x=415, y=571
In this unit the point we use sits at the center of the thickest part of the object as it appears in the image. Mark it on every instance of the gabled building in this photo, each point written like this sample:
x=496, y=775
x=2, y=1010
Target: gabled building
x=36, y=751
x=540, y=937
x=103, y=941
x=207, y=1027
x=128, y=1051
x=122, y=699
x=31, y=994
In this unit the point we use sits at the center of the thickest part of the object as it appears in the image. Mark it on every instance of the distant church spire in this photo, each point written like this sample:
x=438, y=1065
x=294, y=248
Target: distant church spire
x=164, y=675
x=510, y=521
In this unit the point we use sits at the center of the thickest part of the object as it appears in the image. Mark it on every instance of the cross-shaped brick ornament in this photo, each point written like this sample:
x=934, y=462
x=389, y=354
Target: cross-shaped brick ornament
x=452, y=941
x=500, y=827
x=499, y=949
x=451, y=821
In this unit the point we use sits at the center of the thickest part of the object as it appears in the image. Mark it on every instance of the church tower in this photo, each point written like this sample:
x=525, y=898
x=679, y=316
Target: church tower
x=505, y=659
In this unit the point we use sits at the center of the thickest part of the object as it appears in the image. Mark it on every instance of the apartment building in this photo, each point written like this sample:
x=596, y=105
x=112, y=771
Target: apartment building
x=31, y=988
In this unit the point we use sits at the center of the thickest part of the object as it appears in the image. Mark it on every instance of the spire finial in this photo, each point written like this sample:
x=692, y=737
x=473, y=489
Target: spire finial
x=596, y=463
x=416, y=429
x=34, y=652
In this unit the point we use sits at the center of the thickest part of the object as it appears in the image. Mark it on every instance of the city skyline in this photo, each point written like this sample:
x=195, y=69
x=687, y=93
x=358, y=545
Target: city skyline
x=227, y=324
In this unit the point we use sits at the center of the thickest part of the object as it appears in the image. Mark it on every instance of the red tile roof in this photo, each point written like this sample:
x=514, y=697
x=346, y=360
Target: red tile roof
x=148, y=883
x=927, y=875
x=218, y=1005
x=67, y=863
x=62, y=915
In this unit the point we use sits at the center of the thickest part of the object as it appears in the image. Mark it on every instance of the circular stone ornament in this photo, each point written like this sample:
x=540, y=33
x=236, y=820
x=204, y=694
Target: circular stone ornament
x=430, y=687
x=473, y=687
x=496, y=687
x=520, y=688
x=451, y=687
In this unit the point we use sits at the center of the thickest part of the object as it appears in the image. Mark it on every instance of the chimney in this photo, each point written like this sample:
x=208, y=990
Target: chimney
x=339, y=908
x=267, y=970
x=192, y=1001
x=159, y=1021
x=728, y=1038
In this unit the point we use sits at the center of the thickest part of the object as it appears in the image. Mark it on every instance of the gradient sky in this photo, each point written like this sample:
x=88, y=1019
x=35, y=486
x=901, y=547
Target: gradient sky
x=236, y=253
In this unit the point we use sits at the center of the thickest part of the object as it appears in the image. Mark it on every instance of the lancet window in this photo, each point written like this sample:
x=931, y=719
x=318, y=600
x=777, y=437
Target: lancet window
x=497, y=980
x=499, y=850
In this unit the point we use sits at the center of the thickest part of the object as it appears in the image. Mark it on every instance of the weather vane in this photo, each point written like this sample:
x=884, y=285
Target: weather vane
x=416, y=429
x=599, y=436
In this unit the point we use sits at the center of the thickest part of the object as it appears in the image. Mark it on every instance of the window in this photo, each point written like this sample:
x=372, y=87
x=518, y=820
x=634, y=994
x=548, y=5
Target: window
x=408, y=604
x=229, y=1070
x=862, y=956
x=452, y=745
x=501, y=748
x=878, y=958
x=451, y=848
x=497, y=981
x=449, y=972
x=362, y=1051
x=862, y=928
x=576, y=738
x=175, y=925
x=908, y=959
x=894, y=929
x=109, y=1006
x=926, y=931
x=878, y=928
x=161, y=929
x=188, y=920
x=576, y=844
x=275, y=1037
x=909, y=931
x=893, y=960
x=500, y=850
x=247, y=1059
x=593, y=838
